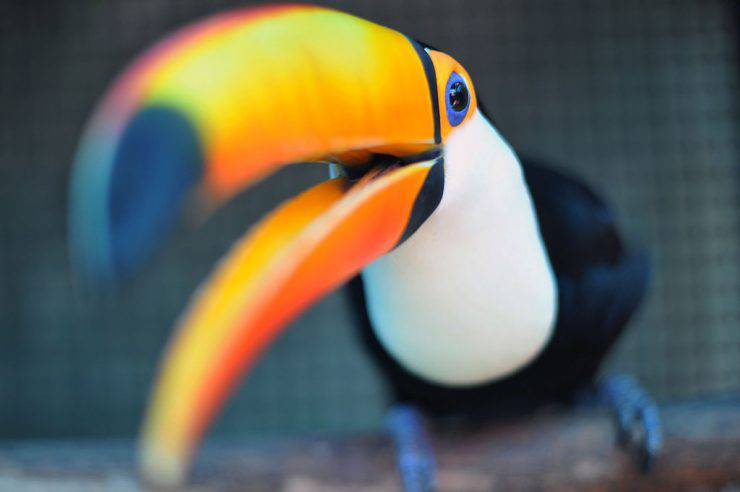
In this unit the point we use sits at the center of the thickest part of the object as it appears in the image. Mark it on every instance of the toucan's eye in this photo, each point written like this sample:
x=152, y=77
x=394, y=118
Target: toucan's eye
x=458, y=99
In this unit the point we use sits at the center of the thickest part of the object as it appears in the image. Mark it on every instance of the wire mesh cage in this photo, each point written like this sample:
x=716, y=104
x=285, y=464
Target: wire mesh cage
x=638, y=98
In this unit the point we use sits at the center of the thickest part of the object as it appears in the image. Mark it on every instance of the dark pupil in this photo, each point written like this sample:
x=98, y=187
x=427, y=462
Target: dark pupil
x=458, y=96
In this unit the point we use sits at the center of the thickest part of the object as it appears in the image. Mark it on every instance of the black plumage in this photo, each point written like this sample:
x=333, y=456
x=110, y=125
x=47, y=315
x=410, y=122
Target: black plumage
x=600, y=284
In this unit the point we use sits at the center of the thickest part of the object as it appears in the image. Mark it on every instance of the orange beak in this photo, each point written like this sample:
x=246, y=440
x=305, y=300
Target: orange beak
x=208, y=112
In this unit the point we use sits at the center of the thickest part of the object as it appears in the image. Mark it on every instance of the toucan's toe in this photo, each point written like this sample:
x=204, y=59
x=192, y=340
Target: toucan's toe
x=636, y=416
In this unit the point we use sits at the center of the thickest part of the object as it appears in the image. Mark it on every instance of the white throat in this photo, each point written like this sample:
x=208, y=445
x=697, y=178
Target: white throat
x=470, y=297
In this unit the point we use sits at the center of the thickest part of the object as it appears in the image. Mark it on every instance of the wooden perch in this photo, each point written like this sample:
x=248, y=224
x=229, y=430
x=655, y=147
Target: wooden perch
x=549, y=451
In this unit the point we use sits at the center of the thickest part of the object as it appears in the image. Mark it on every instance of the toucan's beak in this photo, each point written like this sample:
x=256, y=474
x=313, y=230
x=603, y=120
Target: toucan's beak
x=203, y=115
x=227, y=101
x=300, y=252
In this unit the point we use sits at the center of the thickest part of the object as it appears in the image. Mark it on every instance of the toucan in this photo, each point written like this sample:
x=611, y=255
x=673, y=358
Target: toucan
x=483, y=284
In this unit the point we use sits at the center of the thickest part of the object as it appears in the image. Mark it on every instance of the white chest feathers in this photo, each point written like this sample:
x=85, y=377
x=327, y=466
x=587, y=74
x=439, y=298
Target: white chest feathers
x=470, y=297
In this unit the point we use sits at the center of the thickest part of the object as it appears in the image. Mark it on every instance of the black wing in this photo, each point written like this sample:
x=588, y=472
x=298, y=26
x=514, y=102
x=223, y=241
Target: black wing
x=600, y=284
x=600, y=281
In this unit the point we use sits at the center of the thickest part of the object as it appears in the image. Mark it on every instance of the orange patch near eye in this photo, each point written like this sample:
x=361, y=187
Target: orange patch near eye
x=444, y=66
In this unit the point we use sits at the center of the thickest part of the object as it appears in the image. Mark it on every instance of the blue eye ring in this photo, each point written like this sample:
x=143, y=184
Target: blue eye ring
x=457, y=99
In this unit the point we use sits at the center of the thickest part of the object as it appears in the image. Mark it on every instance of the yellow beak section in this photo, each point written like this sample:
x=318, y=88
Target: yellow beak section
x=304, y=249
x=228, y=100
x=295, y=85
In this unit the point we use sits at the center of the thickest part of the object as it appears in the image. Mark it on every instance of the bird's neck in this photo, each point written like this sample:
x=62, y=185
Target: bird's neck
x=470, y=297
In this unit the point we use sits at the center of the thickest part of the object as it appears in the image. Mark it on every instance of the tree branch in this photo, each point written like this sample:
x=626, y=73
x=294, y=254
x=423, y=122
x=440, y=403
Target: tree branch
x=548, y=451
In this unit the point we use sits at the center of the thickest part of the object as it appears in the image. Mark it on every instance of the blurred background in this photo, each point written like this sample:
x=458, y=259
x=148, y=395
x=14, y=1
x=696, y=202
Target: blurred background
x=641, y=99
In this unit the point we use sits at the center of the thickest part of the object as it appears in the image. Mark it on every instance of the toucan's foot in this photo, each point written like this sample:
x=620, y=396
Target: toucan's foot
x=414, y=453
x=636, y=415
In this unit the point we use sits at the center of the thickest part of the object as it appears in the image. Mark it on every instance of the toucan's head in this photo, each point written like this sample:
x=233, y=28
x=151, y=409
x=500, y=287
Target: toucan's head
x=223, y=103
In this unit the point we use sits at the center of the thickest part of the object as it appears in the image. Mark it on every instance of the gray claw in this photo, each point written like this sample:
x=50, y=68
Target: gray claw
x=636, y=416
